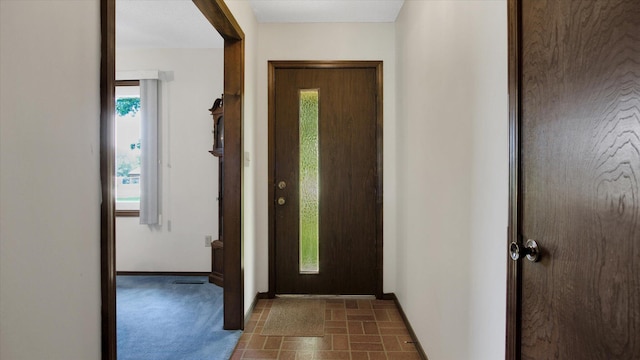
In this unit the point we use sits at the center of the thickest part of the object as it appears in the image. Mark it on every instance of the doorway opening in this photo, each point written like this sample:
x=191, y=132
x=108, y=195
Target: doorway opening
x=222, y=20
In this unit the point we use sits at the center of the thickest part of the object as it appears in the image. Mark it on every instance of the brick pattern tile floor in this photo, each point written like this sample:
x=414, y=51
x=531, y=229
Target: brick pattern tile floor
x=354, y=330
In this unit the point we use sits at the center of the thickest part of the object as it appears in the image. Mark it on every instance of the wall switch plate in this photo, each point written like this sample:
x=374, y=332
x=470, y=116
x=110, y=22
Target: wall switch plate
x=207, y=240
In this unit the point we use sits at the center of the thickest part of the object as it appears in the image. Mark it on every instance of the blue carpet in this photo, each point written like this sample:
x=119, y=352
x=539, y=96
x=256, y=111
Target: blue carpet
x=160, y=320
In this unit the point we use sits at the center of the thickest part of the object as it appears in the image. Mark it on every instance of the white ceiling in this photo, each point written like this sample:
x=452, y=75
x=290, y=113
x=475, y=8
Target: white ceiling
x=301, y=11
x=163, y=24
x=179, y=23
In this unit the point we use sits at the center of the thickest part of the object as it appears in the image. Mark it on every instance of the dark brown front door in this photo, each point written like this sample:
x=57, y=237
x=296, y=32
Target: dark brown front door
x=326, y=213
x=578, y=195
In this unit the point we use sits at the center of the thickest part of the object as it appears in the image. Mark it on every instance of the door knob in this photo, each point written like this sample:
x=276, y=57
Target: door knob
x=282, y=185
x=281, y=201
x=530, y=250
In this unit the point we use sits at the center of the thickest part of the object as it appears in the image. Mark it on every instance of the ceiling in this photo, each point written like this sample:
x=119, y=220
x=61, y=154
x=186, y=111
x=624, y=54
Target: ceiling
x=163, y=24
x=179, y=23
x=303, y=11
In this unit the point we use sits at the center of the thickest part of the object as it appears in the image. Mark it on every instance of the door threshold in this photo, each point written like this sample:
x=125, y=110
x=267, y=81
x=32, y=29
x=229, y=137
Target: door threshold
x=326, y=297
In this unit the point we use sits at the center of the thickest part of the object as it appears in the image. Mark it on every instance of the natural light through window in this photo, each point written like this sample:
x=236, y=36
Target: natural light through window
x=128, y=147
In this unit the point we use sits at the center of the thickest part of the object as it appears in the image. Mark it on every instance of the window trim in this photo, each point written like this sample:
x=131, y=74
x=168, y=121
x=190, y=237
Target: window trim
x=126, y=213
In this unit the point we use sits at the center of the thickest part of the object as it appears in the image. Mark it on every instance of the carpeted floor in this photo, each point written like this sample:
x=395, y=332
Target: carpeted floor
x=158, y=319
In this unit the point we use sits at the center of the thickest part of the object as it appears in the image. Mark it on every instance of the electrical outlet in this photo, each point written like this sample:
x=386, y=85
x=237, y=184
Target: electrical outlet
x=207, y=240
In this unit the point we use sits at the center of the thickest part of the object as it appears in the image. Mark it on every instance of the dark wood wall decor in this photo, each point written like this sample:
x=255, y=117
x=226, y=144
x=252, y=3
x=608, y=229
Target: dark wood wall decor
x=223, y=21
x=574, y=85
x=217, y=246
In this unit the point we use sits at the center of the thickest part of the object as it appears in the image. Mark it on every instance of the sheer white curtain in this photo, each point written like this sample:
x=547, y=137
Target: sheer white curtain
x=149, y=206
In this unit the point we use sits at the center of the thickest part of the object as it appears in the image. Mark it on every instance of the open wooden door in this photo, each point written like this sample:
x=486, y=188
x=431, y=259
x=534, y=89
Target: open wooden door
x=575, y=180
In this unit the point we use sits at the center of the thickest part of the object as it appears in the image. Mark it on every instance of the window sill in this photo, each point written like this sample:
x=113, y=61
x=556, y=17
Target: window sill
x=127, y=213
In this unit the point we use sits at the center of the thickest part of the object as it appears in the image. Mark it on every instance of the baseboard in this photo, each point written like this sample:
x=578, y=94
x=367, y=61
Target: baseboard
x=392, y=296
x=247, y=315
x=163, y=273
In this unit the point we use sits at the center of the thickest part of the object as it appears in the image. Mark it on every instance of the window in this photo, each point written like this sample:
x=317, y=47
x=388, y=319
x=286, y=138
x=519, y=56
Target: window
x=128, y=121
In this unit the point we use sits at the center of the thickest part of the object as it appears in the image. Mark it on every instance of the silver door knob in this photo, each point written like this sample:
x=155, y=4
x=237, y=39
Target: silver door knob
x=281, y=201
x=530, y=250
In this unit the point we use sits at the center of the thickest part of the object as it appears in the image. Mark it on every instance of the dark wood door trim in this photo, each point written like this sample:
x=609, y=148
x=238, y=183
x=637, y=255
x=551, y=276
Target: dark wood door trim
x=221, y=18
x=377, y=65
x=512, y=350
x=233, y=175
x=107, y=178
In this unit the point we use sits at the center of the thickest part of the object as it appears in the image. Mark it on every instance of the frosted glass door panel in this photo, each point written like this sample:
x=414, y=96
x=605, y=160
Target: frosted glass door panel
x=309, y=183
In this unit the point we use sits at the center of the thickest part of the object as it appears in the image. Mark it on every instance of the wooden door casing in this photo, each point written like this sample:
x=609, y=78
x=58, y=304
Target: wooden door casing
x=354, y=144
x=575, y=179
x=223, y=21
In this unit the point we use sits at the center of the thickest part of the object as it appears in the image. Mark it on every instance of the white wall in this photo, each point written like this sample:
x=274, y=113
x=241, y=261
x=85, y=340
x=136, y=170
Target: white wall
x=243, y=13
x=191, y=80
x=452, y=175
x=489, y=184
x=337, y=41
x=49, y=180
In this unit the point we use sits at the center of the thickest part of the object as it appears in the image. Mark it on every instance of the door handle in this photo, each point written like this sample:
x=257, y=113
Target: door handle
x=530, y=250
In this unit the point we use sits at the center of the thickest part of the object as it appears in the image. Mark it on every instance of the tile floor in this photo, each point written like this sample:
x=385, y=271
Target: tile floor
x=354, y=330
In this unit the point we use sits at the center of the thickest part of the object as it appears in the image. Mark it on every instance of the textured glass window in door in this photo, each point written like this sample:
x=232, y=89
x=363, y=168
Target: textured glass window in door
x=309, y=182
